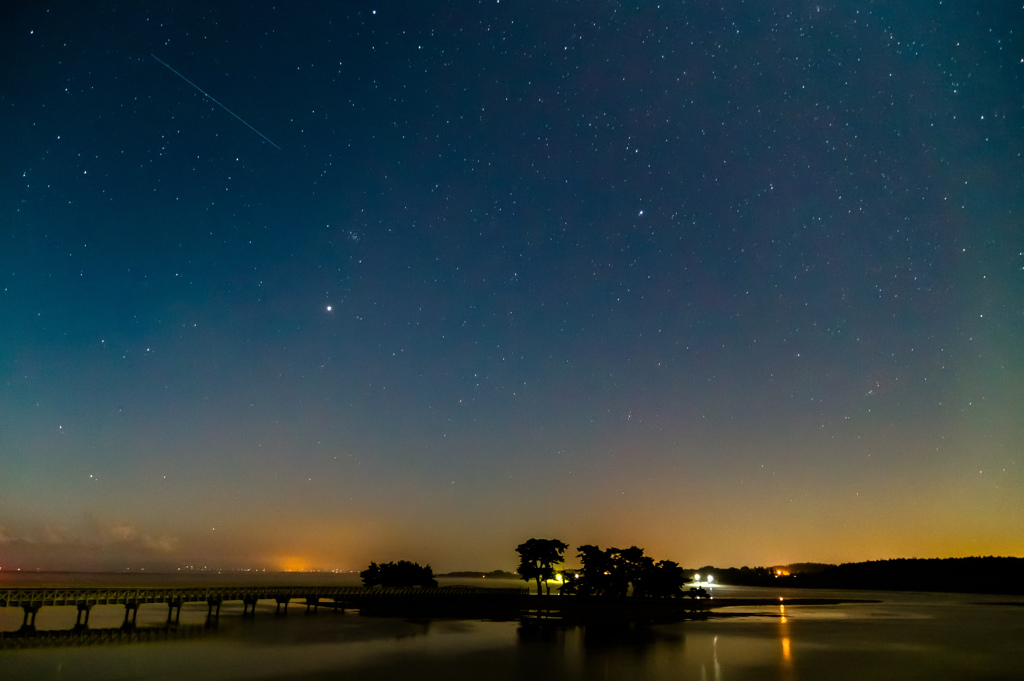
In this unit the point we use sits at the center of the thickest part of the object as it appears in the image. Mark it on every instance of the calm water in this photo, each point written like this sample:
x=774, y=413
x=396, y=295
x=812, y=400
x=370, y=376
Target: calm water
x=907, y=636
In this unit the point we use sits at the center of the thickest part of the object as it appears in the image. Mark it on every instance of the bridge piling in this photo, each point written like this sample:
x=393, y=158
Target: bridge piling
x=30, y=616
x=213, y=612
x=282, y=600
x=131, y=611
x=249, y=607
x=82, y=620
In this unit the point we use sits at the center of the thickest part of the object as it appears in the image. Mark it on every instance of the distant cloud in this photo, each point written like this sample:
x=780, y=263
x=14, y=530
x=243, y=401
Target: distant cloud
x=93, y=535
x=55, y=534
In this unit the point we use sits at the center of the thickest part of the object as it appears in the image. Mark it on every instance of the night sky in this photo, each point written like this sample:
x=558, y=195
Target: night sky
x=741, y=283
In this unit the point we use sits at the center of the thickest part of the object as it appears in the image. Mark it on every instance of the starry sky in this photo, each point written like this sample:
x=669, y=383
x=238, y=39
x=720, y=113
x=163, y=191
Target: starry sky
x=740, y=283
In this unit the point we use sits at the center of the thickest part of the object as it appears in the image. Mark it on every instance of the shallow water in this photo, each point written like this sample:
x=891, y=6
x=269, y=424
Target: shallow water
x=906, y=636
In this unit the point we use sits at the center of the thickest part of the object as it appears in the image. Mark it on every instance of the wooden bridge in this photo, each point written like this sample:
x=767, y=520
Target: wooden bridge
x=31, y=600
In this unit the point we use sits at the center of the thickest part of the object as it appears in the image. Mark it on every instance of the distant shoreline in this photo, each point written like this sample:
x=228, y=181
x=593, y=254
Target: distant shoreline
x=981, y=575
x=469, y=574
x=978, y=575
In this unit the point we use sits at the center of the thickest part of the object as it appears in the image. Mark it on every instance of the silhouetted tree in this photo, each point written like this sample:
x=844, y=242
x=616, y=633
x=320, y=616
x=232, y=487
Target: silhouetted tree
x=605, y=572
x=666, y=580
x=635, y=569
x=402, y=573
x=537, y=558
x=597, y=572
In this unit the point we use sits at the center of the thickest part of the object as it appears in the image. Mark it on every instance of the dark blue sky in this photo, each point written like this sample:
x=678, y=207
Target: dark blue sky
x=739, y=284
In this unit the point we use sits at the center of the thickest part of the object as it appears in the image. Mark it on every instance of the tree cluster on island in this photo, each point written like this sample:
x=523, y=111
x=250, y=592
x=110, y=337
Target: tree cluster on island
x=400, y=574
x=610, y=572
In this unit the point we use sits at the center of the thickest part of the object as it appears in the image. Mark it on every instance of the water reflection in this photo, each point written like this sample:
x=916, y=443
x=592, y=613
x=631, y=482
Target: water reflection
x=267, y=630
x=30, y=637
x=598, y=649
x=786, y=664
x=716, y=666
x=596, y=637
x=916, y=638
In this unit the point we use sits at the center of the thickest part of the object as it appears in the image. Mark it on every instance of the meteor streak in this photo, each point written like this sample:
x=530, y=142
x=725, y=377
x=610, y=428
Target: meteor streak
x=207, y=95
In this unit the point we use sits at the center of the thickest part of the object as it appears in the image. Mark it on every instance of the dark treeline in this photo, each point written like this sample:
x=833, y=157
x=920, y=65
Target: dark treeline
x=744, y=576
x=961, y=575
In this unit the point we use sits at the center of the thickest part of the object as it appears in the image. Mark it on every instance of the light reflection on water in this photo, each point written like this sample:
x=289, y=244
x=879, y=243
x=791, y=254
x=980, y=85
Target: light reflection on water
x=906, y=636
